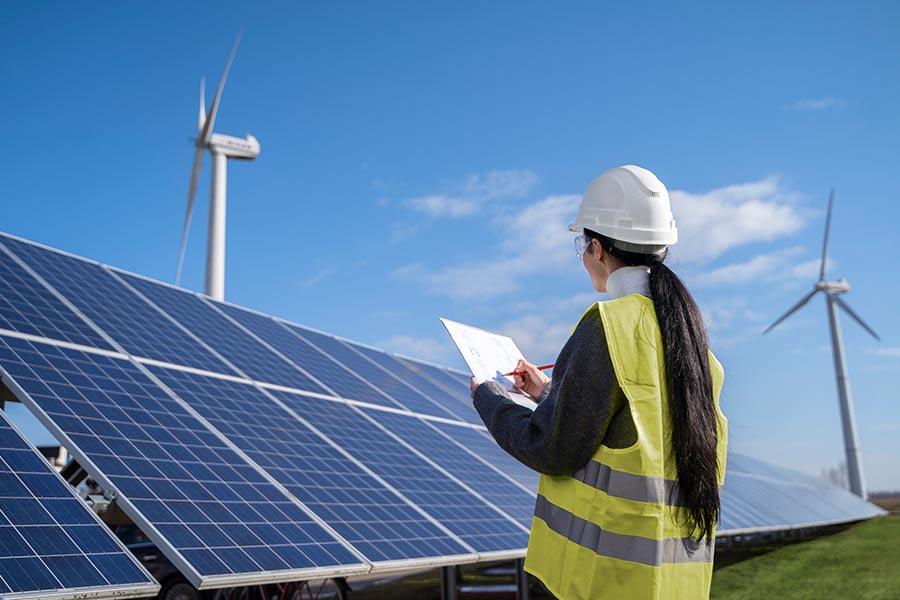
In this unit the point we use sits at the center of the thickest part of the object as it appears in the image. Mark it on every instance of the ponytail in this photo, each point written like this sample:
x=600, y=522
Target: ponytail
x=689, y=382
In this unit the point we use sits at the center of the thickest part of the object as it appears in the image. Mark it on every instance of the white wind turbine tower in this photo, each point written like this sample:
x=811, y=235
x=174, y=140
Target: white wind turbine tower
x=833, y=290
x=222, y=147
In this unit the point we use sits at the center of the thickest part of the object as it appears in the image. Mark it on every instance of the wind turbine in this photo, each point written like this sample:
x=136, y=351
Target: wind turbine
x=222, y=147
x=833, y=290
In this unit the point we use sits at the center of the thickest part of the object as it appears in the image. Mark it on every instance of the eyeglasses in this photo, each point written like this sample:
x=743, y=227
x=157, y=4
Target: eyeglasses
x=581, y=244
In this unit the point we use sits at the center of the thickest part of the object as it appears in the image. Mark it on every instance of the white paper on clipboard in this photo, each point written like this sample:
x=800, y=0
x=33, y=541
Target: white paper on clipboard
x=488, y=355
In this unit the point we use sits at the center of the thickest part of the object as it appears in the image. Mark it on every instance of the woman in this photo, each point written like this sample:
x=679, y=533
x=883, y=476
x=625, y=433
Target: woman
x=628, y=436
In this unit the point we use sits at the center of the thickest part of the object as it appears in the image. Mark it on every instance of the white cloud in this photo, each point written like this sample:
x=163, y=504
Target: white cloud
x=403, y=231
x=511, y=183
x=723, y=313
x=780, y=266
x=539, y=340
x=321, y=275
x=469, y=196
x=535, y=240
x=809, y=270
x=422, y=348
x=763, y=267
x=819, y=104
x=714, y=222
x=444, y=206
x=890, y=352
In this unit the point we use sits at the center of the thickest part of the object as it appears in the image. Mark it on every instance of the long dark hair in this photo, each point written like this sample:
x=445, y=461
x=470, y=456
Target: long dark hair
x=693, y=412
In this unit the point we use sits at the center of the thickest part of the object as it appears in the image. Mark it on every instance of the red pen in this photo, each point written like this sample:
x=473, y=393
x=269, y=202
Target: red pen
x=542, y=367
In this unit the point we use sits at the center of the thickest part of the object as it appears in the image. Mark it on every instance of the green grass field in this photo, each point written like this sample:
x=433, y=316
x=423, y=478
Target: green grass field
x=862, y=563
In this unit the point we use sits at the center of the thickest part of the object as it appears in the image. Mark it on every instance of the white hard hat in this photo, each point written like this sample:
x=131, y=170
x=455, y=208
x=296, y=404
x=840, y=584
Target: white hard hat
x=630, y=205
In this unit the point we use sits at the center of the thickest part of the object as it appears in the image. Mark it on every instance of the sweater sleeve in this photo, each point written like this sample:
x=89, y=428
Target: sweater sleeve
x=572, y=415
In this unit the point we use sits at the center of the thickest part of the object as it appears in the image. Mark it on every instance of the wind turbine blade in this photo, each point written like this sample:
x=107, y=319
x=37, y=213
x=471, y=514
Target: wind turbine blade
x=793, y=309
x=201, y=118
x=856, y=317
x=214, y=108
x=825, y=243
x=192, y=192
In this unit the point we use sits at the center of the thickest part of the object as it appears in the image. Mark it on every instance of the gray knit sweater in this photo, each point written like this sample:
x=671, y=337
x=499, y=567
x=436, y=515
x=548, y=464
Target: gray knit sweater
x=580, y=408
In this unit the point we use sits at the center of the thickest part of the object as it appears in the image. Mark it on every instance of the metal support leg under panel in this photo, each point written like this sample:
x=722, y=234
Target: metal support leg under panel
x=448, y=583
x=521, y=580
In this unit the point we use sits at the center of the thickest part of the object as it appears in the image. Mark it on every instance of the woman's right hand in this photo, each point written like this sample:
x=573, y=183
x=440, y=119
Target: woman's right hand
x=532, y=382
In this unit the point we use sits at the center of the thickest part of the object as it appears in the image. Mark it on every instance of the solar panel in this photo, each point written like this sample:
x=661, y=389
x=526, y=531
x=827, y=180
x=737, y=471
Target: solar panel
x=26, y=307
x=222, y=335
x=484, y=528
x=448, y=401
x=128, y=319
x=402, y=394
x=759, y=496
x=455, y=384
x=220, y=519
x=373, y=518
x=51, y=544
x=480, y=442
x=490, y=483
x=338, y=379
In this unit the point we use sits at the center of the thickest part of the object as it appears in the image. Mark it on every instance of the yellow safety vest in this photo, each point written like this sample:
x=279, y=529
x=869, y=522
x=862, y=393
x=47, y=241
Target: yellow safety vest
x=611, y=530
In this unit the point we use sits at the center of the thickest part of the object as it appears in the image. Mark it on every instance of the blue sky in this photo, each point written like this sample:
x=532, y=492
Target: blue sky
x=422, y=159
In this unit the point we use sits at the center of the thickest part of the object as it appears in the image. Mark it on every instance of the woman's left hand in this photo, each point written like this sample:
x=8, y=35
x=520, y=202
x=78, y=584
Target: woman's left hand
x=472, y=385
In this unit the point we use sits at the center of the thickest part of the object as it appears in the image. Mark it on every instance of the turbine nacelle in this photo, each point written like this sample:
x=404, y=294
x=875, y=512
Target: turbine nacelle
x=841, y=286
x=234, y=147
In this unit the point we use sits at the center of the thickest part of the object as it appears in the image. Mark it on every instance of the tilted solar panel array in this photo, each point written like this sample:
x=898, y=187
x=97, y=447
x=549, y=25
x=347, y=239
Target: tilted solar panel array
x=251, y=449
x=51, y=544
x=759, y=496
x=247, y=448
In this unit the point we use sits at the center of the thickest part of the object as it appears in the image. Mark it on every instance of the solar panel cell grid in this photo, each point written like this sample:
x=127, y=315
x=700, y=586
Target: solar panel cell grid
x=340, y=380
x=475, y=522
x=178, y=475
x=223, y=336
x=487, y=482
x=402, y=395
x=372, y=518
x=480, y=442
x=27, y=307
x=454, y=389
x=440, y=403
x=48, y=538
x=129, y=320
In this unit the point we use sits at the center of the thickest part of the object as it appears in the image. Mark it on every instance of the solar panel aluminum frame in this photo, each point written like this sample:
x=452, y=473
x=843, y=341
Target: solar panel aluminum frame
x=110, y=591
x=195, y=578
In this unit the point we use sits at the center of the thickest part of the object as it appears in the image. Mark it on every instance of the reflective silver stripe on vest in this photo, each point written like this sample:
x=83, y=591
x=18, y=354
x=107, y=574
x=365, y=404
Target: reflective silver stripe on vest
x=629, y=486
x=633, y=548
